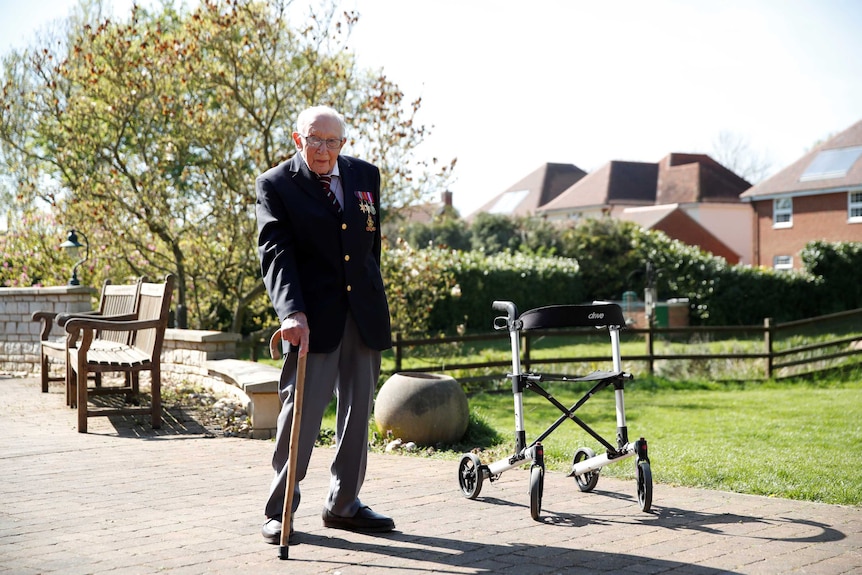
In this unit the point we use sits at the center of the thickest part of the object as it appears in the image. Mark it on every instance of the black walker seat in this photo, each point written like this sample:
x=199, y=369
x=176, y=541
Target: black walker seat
x=586, y=465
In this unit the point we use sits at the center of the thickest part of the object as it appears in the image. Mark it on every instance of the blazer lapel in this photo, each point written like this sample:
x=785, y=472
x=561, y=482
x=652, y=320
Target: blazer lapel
x=308, y=182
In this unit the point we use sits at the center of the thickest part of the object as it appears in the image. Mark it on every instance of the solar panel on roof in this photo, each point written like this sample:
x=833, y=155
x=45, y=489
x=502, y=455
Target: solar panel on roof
x=833, y=163
x=507, y=203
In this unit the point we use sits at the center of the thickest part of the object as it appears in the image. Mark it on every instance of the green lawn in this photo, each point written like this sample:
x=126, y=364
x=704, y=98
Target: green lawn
x=795, y=439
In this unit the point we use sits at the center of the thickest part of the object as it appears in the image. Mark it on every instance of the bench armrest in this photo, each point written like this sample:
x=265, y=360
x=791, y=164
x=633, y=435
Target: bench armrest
x=47, y=319
x=108, y=323
x=63, y=318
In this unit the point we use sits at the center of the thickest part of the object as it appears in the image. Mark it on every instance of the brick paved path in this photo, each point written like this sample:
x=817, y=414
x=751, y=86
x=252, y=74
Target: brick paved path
x=122, y=499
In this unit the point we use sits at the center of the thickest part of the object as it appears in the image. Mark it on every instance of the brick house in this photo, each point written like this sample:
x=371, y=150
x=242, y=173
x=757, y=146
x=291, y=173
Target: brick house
x=690, y=197
x=817, y=197
x=677, y=224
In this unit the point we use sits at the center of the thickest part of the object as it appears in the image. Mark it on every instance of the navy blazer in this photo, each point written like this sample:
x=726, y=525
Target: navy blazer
x=316, y=261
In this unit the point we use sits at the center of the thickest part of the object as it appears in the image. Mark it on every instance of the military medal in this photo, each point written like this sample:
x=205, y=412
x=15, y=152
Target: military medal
x=366, y=206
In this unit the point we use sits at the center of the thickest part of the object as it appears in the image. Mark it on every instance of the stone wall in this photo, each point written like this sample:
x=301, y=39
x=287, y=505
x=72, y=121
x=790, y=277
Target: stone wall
x=186, y=352
x=206, y=358
x=19, y=334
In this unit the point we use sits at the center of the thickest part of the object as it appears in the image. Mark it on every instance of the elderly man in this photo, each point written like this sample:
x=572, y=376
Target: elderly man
x=319, y=246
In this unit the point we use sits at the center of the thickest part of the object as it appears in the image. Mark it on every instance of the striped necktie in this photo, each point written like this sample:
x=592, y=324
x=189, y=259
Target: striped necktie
x=325, y=182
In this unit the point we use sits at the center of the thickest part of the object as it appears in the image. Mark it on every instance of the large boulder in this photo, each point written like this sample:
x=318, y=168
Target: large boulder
x=424, y=408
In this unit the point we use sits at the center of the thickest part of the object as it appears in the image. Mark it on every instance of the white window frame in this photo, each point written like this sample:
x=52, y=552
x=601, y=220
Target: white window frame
x=854, y=203
x=782, y=263
x=782, y=208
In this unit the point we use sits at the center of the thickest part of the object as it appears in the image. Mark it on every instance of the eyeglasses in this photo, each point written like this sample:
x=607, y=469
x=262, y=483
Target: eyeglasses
x=315, y=142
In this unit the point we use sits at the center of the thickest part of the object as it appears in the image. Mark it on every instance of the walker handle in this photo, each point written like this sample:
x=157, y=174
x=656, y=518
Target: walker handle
x=512, y=312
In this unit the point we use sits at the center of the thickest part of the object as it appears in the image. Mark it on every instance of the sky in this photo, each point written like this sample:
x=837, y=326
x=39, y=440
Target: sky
x=507, y=86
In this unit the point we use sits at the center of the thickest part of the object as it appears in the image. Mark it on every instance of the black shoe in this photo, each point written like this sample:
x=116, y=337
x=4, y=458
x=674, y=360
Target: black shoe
x=271, y=531
x=365, y=521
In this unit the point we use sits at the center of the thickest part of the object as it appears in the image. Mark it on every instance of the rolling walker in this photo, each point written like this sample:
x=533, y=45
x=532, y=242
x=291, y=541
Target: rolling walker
x=586, y=464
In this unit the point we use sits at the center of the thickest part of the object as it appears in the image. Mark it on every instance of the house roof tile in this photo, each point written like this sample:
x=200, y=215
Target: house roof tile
x=789, y=180
x=678, y=225
x=686, y=178
x=534, y=190
x=617, y=182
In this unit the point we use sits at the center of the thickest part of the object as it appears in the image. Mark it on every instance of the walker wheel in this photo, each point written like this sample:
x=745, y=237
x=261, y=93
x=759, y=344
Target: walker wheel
x=586, y=481
x=470, y=476
x=644, y=479
x=537, y=485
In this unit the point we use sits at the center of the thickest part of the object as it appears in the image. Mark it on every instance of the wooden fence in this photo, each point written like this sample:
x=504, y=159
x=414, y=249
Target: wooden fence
x=810, y=345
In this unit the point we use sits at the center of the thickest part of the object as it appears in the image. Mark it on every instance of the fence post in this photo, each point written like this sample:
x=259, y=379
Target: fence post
x=649, y=348
x=767, y=341
x=397, y=347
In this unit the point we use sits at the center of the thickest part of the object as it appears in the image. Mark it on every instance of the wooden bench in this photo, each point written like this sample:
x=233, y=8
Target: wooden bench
x=116, y=300
x=92, y=348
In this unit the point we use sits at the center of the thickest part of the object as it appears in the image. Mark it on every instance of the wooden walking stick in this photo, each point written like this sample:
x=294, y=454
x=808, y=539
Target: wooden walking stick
x=274, y=343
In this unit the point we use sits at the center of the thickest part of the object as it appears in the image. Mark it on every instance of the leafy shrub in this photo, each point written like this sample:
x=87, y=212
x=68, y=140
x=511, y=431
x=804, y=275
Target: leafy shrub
x=415, y=280
x=612, y=258
x=838, y=266
x=721, y=294
x=446, y=232
x=610, y=261
x=30, y=252
x=528, y=281
x=493, y=233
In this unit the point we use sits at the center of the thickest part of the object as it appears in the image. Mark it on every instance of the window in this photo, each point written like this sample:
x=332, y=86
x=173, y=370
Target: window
x=854, y=206
x=831, y=164
x=507, y=203
x=782, y=263
x=782, y=213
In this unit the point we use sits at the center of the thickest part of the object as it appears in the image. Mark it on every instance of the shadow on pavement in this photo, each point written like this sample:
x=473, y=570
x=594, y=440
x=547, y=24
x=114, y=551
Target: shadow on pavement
x=441, y=553
x=681, y=519
x=176, y=421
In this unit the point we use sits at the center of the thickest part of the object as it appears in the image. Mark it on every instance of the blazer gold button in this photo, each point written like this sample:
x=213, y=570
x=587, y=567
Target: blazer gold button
x=347, y=258
x=349, y=288
x=343, y=226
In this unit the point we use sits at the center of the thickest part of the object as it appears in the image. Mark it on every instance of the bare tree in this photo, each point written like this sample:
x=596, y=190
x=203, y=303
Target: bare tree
x=734, y=152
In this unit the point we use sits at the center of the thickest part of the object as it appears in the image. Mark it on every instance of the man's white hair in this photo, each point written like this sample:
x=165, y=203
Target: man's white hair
x=307, y=116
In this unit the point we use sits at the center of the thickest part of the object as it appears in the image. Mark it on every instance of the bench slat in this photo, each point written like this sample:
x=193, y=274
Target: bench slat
x=118, y=356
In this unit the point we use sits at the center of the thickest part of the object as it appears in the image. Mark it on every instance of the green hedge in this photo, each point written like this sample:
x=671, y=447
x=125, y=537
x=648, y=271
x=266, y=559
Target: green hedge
x=718, y=293
x=528, y=281
x=838, y=267
x=601, y=259
x=721, y=294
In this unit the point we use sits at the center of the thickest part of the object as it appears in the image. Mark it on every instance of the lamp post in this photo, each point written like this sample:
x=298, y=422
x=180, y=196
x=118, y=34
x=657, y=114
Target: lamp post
x=74, y=247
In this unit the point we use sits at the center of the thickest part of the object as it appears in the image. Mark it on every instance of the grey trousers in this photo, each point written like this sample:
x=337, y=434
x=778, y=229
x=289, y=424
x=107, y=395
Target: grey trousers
x=350, y=372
